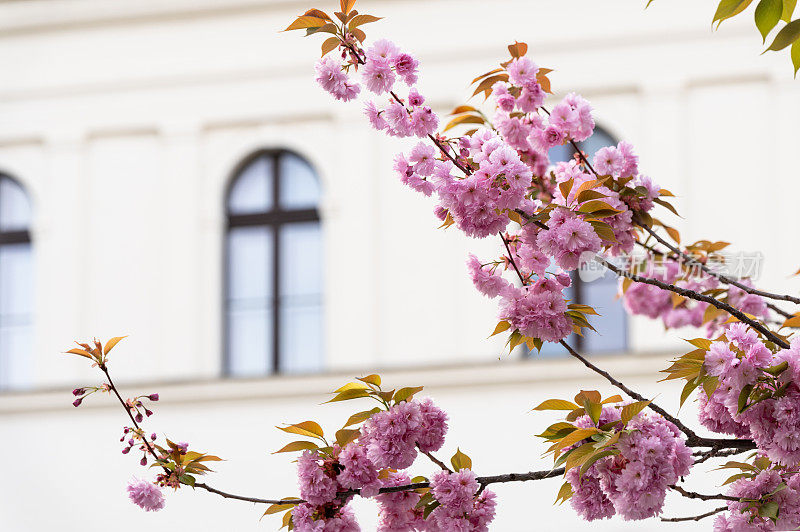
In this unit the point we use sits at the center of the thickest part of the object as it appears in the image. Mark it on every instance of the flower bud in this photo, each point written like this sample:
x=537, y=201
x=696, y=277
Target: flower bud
x=148, y=412
x=78, y=391
x=153, y=436
x=139, y=417
x=77, y=402
x=153, y=397
x=126, y=450
x=143, y=461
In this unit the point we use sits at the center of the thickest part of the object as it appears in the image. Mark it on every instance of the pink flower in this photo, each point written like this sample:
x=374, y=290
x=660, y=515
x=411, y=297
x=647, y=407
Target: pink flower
x=434, y=427
x=374, y=116
x=522, y=71
x=487, y=281
x=359, y=472
x=406, y=67
x=331, y=78
x=317, y=486
x=378, y=76
x=145, y=495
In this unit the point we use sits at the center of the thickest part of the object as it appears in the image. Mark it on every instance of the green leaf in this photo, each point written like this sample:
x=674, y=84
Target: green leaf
x=768, y=13
x=349, y=394
x=796, y=56
x=300, y=445
x=786, y=36
x=345, y=436
x=502, y=326
x=556, y=404
x=788, y=10
x=373, y=379
x=597, y=456
x=359, y=417
x=688, y=388
x=729, y=8
x=306, y=428
x=629, y=411
x=461, y=461
x=405, y=394
x=565, y=492
x=744, y=395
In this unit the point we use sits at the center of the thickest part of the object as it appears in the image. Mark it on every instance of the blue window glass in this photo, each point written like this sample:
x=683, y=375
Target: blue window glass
x=16, y=286
x=611, y=325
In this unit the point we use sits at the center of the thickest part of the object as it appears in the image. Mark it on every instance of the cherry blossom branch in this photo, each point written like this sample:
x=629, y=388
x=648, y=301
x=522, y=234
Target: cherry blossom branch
x=691, y=294
x=702, y=497
x=727, y=280
x=436, y=461
x=694, y=517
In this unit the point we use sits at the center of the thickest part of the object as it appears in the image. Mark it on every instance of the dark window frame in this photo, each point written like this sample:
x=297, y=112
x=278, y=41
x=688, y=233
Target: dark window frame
x=275, y=218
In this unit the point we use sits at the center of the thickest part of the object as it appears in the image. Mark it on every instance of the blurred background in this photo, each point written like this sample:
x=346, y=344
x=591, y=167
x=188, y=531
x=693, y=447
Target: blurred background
x=170, y=171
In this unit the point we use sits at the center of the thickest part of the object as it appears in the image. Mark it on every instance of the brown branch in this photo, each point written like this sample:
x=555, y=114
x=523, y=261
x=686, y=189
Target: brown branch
x=436, y=461
x=694, y=517
x=725, y=279
x=691, y=294
x=702, y=497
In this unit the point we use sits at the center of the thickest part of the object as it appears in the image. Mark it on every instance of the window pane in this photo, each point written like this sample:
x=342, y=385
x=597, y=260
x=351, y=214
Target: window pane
x=299, y=183
x=301, y=297
x=599, y=139
x=301, y=337
x=249, y=341
x=611, y=325
x=560, y=153
x=250, y=252
x=16, y=280
x=251, y=191
x=15, y=208
x=301, y=259
x=15, y=350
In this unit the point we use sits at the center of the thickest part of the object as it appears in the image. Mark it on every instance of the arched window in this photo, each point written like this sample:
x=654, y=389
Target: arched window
x=274, y=267
x=16, y=286
x=611, y=325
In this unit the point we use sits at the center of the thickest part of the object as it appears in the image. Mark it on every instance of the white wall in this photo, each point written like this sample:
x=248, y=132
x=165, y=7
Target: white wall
x=125, y=119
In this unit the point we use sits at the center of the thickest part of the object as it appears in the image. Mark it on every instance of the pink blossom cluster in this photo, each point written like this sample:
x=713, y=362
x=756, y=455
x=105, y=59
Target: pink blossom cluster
x=392, y=437
x=484, y=179
x=477, y=202
x=461, y=508
x=740, y=360
x=145, y=495
x=388, y=439
x=769, y=486
x=655, y=303
x=307, y=518
x=652, y=456
x=538, y=310
x=333, y=79
x=398, y=510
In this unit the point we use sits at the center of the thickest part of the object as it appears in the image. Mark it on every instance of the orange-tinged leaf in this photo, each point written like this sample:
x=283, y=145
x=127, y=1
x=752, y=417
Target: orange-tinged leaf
x=358, y=20
x=346, y=5
x=300, y=445
x=629, y=411
x=794, y=321
x=373, y=379
x=317, y=13
x=576, y=436
x=111, y=343
x=346, y=395
x=306, y=428
x=80, y=352
x=359, y=34
x=329, y=45
x=304, y=22
x=495, y=71
x=461, y=461
x=556, y=404
x=463, y=109
x=518, y=49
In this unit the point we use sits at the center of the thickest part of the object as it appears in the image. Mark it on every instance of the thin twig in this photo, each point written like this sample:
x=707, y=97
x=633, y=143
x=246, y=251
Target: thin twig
x=694, y=517
x=725, y=279
x=702, y=497
x=691, y=294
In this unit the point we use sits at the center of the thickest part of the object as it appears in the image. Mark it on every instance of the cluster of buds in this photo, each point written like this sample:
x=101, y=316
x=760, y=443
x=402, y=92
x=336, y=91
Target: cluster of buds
x=170, y=478
x=82, y=393
x=133, y=434
x=136, y=406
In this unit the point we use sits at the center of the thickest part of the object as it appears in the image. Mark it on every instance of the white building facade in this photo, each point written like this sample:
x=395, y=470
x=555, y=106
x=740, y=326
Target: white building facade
x=126, y=123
